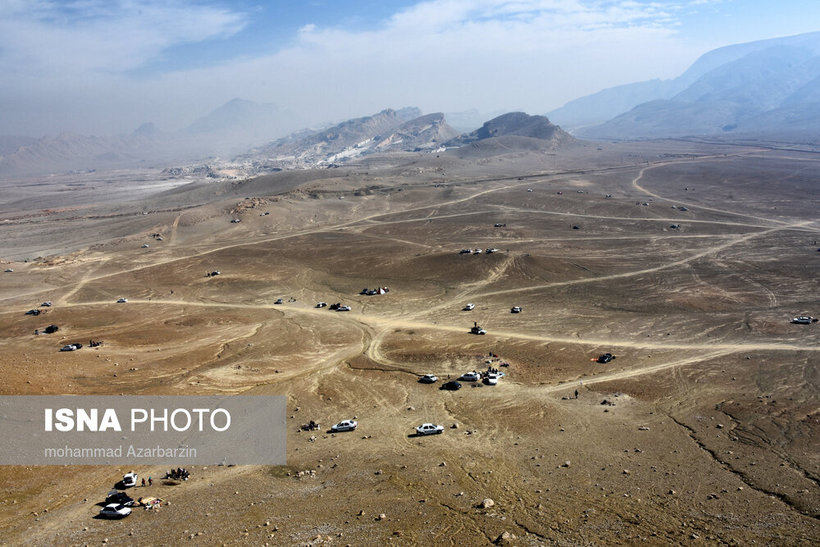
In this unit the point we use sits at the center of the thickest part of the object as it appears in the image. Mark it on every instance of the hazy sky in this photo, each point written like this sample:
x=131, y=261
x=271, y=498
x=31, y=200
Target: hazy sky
x=106, y=66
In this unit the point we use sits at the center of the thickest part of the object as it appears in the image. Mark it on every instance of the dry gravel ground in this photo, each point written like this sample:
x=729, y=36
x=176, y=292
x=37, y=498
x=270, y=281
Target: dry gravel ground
x=704, y=429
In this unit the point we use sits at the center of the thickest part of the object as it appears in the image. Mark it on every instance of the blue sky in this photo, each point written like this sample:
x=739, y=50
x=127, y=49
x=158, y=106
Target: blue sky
x=106, y=66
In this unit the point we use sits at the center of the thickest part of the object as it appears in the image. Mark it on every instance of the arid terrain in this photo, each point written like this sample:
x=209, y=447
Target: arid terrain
x=685, y=261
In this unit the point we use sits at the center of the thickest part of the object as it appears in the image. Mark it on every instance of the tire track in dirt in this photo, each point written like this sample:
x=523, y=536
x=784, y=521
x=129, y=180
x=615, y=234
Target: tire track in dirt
x=699, y=206
x=393, y=323
x=734, y=241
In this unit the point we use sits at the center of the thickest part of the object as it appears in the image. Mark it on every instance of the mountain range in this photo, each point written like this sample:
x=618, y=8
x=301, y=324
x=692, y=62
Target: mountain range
x=402, y=130
x=767, y=87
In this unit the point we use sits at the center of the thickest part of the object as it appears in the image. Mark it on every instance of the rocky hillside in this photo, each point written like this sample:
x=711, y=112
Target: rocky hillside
x=388, y=130
x=769, y=88
x=516, y=124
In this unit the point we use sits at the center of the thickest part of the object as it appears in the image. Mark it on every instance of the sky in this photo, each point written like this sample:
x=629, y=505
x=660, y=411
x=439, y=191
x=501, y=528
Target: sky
x=104, y=67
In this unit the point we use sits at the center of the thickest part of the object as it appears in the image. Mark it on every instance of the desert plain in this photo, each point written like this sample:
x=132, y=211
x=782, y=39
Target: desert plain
x=684, y=260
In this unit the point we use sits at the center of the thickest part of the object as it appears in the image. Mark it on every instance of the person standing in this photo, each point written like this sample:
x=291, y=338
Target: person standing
x=151, y=482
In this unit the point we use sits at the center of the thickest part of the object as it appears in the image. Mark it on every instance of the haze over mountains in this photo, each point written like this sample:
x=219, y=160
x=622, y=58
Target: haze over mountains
x=768, y=87
x=767, y=90
x=404, y=130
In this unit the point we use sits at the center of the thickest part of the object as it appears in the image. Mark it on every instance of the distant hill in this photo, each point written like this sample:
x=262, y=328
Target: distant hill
x=769, y=87
x=388, y=130
x=242, y=123
x=233, y=127
x=515, y=124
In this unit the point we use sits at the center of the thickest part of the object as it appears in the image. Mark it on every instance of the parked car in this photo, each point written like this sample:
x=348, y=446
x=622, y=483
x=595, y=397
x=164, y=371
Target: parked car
x=321, y=304
x=491, y=380
x=129, y=479
x=344, y=308
x=345, y=425
x=429, y=429
x=428, y=379
x=804, y=320
x=119, y=498
x=122, y=300
x=278, y=301
x=475, y=329
x=33, y=312
x=115, y=511
x=71, y=347
x=515, y=309
x=46, y=304
x=452, y=385
x=470, y=377
x=605, y=358
x=469, y=307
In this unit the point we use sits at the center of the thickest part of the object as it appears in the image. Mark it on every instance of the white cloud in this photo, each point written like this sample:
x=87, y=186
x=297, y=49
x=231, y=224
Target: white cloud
x=55, y=38
x=438, y=55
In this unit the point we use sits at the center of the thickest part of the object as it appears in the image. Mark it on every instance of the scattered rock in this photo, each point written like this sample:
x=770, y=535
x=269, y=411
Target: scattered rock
x=506, y=538
x=381, y=516
x=486, y=503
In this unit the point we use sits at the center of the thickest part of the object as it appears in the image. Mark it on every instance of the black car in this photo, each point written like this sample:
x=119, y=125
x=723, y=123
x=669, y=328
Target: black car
x=605, y=358
x=451, y=386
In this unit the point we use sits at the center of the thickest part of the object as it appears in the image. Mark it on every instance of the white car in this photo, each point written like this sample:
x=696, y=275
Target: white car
x=469, y=307
x=515, y=309
x=470, y=377
x=69, y=347
x=122, y=300
x=428, y=379
x=321, y=304
x=803, y=320
x=115, y=511
x=129, y=479
x=345, y=425
x=344, y=308
x=491, y=380
x=429, y=429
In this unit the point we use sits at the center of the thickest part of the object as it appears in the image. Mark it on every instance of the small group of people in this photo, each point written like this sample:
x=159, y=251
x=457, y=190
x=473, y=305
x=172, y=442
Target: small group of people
x=95, y=343
x=150, y=481
x=178, y=474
